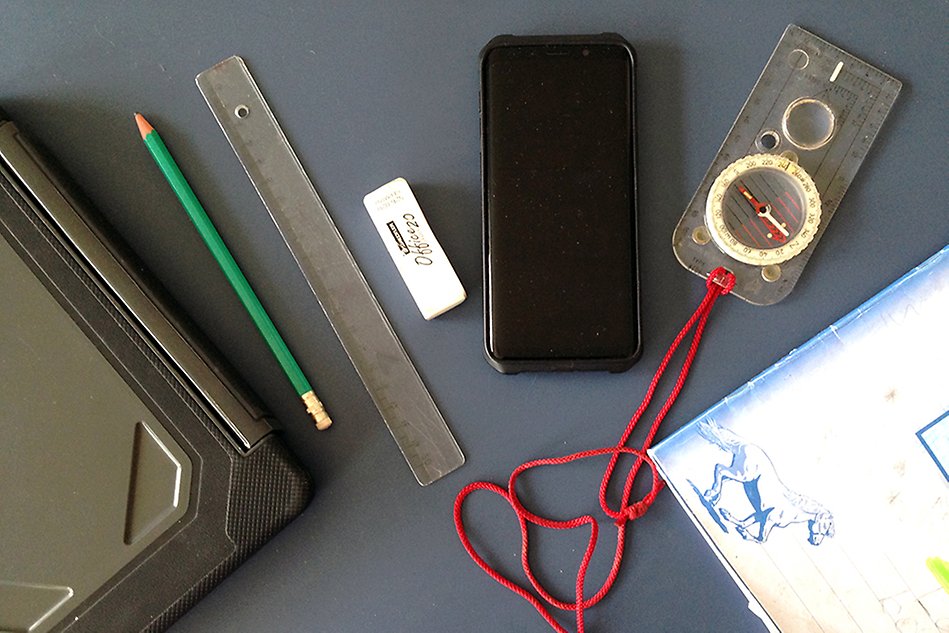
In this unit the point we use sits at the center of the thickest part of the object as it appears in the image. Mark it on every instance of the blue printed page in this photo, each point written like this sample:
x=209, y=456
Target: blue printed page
x=935, y=437
x=822, y=482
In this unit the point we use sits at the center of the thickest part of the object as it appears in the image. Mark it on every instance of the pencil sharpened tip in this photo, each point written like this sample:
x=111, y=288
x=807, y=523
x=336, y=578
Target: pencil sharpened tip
x=144, y=127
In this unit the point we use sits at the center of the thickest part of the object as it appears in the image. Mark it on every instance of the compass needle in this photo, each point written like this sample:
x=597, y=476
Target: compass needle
x=750, y=181
x=766, y=214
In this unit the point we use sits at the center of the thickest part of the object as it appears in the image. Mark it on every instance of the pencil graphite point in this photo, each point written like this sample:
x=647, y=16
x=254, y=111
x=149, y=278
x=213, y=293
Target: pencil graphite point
x=144, y=127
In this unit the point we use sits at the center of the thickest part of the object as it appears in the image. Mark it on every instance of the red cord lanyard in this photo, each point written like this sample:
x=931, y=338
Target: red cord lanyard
x=719, y=282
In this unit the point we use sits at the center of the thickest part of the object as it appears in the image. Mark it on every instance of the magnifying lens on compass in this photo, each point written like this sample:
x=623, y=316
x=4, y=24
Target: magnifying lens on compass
x=763, y=209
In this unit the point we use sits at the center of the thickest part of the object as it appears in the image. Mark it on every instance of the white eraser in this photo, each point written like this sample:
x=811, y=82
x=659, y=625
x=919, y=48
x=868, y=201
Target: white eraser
x=412, y=245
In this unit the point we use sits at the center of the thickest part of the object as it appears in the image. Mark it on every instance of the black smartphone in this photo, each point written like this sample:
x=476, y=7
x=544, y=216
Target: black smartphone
x=561, y=281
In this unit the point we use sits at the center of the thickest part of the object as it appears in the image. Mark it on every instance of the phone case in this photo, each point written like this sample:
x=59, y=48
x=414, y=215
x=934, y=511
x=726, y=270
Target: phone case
x=511, y=366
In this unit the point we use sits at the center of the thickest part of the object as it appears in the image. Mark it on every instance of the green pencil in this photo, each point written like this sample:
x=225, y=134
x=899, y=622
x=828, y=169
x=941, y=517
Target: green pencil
x=225, y=260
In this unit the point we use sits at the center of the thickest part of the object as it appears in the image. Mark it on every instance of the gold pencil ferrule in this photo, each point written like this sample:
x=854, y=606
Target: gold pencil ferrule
x=316, y=410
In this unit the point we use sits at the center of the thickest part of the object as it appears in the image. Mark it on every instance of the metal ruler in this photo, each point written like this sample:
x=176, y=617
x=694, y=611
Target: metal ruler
x=319, y=250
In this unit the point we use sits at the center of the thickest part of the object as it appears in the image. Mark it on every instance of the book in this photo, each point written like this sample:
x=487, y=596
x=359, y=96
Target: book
x=823, y=483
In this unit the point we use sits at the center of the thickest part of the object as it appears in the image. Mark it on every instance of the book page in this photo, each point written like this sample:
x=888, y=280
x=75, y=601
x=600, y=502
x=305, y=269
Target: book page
x=823, y=483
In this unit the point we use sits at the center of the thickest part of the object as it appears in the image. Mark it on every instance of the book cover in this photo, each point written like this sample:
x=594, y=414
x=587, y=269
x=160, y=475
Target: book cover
x=823, y=483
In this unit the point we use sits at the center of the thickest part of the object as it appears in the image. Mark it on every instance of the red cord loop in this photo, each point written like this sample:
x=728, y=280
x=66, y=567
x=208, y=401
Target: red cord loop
x=719, y=283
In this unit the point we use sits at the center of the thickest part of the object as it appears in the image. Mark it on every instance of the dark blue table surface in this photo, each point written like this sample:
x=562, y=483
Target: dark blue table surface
x=370, y=91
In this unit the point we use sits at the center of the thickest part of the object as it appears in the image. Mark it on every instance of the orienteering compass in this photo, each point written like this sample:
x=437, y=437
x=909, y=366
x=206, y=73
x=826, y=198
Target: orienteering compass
x=763, y=209
x=775, y=184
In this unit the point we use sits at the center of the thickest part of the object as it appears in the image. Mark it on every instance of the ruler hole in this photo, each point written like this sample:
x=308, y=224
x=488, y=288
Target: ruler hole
x=798, y=59
x=791, y=156
x=768, y=140
x=701, y=236
x=771, y=273
x=241, y=111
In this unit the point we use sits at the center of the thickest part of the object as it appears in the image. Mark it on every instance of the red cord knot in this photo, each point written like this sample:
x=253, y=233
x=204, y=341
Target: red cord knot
x=721, y=277
x=633, y=512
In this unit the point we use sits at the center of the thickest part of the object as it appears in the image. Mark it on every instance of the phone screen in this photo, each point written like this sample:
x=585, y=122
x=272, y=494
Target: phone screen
x=561, y=279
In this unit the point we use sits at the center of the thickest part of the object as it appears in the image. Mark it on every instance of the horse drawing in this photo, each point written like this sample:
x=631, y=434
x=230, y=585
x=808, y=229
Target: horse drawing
x=774, y=504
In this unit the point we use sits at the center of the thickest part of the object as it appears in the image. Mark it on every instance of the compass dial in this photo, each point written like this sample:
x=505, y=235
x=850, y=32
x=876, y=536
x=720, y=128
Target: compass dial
x=763, y=209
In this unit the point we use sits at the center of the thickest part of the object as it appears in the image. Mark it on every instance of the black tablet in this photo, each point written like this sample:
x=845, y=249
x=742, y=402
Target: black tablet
x=135, y=471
